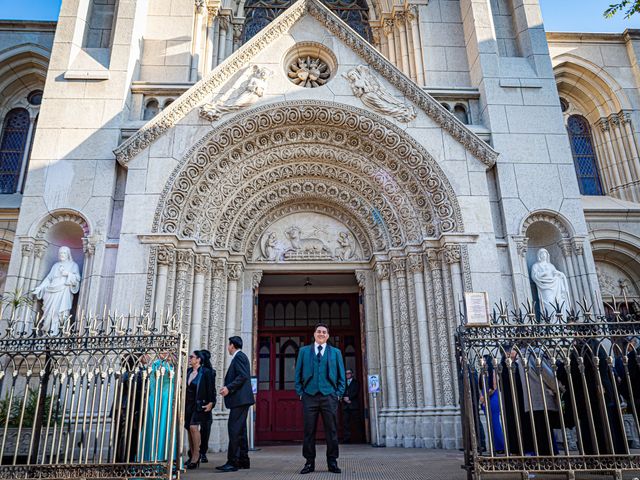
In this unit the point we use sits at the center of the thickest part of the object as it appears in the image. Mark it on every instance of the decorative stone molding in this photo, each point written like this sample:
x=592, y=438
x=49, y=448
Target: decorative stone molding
x=202, y=264
x=244, y=96
x=388, y=26
x=26, y=248
x=522, y=245
x=349, y=169
x=416, y=265
x=166, y=255
x=361, y=278
x=452, y=253
x=40, y=249
x=234, y=270
x=546, y=217
x=59, y=217
x=89, y=245
x=399, y=266
x=368, y=89
x=219, y=268
x=255, y=279
x=309, y=72
x=280, y=26
x=433, y=259
x=382, y=270
x=566, y=246
x=184, y=259
x=578, y=245
x=603, y=124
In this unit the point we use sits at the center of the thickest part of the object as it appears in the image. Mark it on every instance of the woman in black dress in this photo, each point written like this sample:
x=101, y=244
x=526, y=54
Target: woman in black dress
x=200, y=400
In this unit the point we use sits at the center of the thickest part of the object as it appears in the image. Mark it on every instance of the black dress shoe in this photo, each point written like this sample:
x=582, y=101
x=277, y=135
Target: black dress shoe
x=203, y=458
x=227, y=468
x=222, y=467
x=308, y=468
x=333, y=468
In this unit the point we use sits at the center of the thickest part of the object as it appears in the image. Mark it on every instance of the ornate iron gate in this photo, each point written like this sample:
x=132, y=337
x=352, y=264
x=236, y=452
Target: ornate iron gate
x=554, y=393
x=100, y=398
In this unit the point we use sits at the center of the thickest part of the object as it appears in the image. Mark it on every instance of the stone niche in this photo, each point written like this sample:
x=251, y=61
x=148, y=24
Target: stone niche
x=305, y=237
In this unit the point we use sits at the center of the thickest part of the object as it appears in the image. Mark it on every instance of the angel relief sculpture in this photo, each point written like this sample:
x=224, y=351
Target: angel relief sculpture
x=368, y=89
x=244, y=96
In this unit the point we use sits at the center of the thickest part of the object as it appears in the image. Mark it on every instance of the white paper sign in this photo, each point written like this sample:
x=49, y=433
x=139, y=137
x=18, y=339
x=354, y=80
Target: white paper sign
x=374, y=383
x=476, y=308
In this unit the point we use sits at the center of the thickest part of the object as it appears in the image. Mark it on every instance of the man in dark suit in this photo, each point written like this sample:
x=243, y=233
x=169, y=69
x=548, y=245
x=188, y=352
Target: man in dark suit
x=350, y=406
x=238, y=397
x=320, y=382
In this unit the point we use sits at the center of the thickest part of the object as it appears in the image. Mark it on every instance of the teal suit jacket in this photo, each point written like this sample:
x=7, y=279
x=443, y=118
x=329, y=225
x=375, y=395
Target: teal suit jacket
x=335, y=371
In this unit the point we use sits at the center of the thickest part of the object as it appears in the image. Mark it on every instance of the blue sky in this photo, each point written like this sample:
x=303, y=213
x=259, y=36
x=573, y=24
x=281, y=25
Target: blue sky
x=559, y=15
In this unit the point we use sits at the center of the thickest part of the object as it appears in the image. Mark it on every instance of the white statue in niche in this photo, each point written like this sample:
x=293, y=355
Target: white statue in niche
x=244, y=96
x=270, y=247
x=552, y=284
x=57, y=291
x=368, y=89
x=344, y=250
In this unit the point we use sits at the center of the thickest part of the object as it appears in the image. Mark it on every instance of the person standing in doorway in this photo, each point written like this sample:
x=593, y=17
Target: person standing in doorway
x=350, y=406
x=320, y=383
x=238, y=397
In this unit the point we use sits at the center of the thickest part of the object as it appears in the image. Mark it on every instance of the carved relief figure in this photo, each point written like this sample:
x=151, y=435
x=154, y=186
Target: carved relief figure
x=244, y=96
x=269, y=247
x=307, y=248
x=57, y=291
x=345, y=250
x=368, y=89
x=552, y=284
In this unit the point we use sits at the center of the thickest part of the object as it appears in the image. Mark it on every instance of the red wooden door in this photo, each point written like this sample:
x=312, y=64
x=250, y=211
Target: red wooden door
x=285, y=324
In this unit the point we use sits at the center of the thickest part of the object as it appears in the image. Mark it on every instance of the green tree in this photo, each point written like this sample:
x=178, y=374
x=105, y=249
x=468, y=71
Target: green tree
x=629, y=7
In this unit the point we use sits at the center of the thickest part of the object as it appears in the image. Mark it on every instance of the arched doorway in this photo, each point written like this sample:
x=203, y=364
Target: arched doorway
x=315, y=186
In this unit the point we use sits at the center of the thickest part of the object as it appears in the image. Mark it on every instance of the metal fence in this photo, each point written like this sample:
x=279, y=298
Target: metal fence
x=551, y=393
x=99, y=397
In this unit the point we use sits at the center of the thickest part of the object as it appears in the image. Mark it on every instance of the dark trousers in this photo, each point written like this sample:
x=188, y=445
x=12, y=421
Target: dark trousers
x=327, y=406
x=349, y=417
x=205, y=433
x=238, y=451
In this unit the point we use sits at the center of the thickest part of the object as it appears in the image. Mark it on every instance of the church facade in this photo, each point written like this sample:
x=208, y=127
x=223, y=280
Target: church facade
x=260, y=166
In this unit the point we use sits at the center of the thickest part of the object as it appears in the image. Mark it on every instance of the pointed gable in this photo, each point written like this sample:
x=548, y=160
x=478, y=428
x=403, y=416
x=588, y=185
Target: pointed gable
x=199, y=92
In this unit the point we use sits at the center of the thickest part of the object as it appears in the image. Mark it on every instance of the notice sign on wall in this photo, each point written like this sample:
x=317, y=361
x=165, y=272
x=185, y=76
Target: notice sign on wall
x=476, y=308
x=374, y=383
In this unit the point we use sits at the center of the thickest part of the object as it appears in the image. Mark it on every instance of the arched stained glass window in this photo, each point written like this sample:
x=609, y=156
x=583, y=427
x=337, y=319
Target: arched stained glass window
x=14, y=142
x=584, y=155
x=259, y=13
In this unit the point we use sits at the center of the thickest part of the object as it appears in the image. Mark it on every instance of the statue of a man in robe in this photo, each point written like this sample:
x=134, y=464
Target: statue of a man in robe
x=57, y=291
x=552, y=284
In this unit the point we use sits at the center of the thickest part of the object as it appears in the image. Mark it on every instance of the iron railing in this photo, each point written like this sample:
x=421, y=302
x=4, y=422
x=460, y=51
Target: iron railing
x=99, y=398
x=555, y=392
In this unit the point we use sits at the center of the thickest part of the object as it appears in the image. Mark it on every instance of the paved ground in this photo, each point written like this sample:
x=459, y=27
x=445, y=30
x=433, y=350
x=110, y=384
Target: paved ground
x=358, y=462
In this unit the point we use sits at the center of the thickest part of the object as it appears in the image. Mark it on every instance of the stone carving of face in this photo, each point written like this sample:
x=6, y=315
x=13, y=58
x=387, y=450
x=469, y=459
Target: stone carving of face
x=543, y=255
x=64, y=254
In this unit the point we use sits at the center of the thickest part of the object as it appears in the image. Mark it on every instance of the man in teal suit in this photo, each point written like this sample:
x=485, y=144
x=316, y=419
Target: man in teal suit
x=320, y=382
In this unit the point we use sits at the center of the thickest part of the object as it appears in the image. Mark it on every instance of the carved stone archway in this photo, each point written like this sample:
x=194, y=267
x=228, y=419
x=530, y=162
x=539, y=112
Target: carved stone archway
x=381, y=187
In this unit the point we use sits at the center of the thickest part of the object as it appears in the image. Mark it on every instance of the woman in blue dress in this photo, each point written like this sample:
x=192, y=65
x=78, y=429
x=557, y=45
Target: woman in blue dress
x=492, y=391
x=157, y=435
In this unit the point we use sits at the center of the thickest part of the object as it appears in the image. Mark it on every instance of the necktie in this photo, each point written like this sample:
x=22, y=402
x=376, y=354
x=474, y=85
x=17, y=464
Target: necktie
x=319, y=355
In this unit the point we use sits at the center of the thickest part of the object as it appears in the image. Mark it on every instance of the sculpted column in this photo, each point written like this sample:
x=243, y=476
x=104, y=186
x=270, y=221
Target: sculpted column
x=404, y=47
x=382, y=271
x=412, y=16
x=183, y=283
x=388, y=29
x=26, y=248
x=406, y=350
x=416, y=267
x=443, y=349
x=202, y=265
x=216, y=315
x=165, y=257
x=567, y=254
x=233, y=275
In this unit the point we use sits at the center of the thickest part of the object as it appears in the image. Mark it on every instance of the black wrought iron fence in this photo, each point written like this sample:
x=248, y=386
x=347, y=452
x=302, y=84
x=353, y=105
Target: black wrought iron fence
x=99, y=397
x=551, y=393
